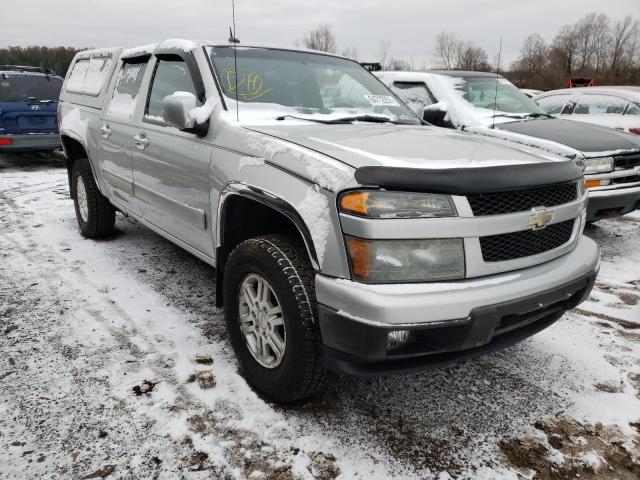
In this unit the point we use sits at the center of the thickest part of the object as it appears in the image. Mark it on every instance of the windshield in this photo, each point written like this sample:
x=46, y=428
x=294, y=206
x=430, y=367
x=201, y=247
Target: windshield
x=17, y=88
x=481, y=93
x=288, y=84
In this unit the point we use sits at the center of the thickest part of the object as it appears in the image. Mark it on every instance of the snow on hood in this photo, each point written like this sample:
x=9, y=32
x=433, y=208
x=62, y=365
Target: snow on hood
x=401, y=146
x=589, y=140
x=540, y=143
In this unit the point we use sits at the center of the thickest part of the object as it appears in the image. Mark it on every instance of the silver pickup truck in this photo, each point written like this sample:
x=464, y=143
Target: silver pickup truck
x=346, y=235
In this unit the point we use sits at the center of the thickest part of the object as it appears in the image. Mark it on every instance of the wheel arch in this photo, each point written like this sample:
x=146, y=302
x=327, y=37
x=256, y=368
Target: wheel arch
x=244, y=212
x=74, y=148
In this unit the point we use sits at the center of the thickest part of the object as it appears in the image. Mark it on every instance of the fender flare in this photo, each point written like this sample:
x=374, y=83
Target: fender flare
x=267, y=199
x=75, y=137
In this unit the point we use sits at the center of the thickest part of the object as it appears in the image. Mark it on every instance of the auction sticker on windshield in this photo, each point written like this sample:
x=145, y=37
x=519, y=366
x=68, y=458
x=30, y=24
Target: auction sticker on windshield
x=382, y=100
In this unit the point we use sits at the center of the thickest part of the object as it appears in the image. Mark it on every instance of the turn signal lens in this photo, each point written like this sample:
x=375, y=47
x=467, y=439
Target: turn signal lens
x=354, y=202
x=597, y=182
x=360, y=252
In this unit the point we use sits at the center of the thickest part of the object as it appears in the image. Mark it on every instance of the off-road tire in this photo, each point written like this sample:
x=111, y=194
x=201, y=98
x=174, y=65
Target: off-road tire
x=101, y=214
x=283, y=262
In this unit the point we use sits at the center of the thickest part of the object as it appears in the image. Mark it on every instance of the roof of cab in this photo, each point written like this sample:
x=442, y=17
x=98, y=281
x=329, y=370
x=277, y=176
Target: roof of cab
x=447, y=73
x=188, y=45
x=630, y=91
x=462, y=73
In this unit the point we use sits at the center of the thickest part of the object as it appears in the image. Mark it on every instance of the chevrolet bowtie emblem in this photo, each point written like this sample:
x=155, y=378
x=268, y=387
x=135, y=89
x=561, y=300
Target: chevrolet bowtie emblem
x=540, y=217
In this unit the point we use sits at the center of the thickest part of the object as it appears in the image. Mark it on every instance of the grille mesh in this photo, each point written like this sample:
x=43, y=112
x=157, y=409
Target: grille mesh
x=509, y=246
x=509, y=202
x=631, y=179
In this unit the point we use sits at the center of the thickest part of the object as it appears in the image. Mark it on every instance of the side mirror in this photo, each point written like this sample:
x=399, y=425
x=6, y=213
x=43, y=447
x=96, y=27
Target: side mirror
x=434, y=114
x=177, y=109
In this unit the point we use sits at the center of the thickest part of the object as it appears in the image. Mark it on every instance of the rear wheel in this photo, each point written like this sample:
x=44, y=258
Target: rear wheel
x=95, y=214
x=270, y=311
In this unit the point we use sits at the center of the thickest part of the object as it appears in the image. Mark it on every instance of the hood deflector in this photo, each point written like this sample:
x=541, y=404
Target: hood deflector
x=462, y=181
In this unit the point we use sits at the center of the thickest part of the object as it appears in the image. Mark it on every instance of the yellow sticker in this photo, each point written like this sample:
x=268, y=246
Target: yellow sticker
x=250, y=85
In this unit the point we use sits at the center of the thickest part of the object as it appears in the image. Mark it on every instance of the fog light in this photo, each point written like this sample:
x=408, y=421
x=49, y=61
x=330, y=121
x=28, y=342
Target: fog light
x=397, y=339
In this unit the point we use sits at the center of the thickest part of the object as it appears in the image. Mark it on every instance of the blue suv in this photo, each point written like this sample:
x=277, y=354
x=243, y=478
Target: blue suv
x=28, y=108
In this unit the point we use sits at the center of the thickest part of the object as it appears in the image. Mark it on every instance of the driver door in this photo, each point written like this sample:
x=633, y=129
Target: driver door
x=171, y=167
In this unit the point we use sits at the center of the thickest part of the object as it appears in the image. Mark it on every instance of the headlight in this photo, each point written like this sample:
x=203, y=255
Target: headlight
x=397, y=261
x=598, y=165
x=379, y=204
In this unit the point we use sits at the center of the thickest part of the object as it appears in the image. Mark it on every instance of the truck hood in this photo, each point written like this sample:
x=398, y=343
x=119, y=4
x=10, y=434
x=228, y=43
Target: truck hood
x=413, y=157
x=405, y=146
x=591, y=140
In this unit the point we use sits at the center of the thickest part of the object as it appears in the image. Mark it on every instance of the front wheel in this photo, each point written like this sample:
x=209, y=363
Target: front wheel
x=96, y=216
x=270, y=311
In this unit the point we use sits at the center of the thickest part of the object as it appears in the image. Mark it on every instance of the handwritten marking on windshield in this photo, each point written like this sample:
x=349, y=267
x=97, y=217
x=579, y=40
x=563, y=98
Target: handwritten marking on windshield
x=250, y=85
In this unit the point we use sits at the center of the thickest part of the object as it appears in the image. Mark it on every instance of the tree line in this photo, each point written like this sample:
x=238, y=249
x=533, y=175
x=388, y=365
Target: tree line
x=57, y=59
x=595, y=46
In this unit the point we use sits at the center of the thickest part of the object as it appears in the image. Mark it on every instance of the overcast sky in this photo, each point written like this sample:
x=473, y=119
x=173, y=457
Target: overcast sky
x=410, y=25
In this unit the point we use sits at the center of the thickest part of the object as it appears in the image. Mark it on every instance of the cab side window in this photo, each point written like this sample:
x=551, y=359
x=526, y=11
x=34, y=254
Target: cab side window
x=633, y=109
x=553, y=104
x=598, y=104
x=414, y=94
x=125, y=94
x=171, y=75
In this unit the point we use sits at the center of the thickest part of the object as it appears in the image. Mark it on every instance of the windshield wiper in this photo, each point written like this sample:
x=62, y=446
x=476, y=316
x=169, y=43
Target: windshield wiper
x=343, y=120
x=509, y=115
x=539, y=114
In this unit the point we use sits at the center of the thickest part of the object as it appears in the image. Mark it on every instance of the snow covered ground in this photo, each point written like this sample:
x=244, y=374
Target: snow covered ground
x=114, y=363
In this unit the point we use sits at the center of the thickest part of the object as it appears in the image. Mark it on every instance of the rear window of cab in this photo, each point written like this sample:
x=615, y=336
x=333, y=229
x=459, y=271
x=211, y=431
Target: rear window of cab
x=22, y=88
x=88, y=75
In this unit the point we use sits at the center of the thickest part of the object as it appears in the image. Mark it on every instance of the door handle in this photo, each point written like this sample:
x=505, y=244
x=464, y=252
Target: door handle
x=106, y=131
x=141, y=140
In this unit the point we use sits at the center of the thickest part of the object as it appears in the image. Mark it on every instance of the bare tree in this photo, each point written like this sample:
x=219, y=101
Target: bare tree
x=352, y=53
x=399, y=64
x=624, y=40
x=385, y=46
x=564, y=49
x=322, y=38
x=533, y=54
x=594, y=46
x=592, y=36
x=448, y=50
x=473, y=58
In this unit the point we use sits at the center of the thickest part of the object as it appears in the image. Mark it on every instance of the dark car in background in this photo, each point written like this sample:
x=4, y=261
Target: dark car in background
x=28, y=108
x=491, y=105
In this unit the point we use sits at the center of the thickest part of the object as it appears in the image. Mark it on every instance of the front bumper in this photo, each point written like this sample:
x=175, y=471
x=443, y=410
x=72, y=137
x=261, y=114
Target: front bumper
x=612, y=202
x=448, y=321
x=31, y=142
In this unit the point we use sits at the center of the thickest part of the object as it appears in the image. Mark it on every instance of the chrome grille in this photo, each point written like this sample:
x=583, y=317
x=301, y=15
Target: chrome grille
x=521, y=201
x=509, y=246
x=625, y=162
